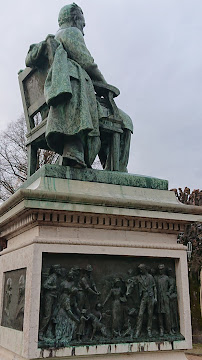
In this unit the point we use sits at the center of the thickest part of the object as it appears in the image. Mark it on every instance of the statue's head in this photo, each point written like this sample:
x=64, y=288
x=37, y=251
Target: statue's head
x=71, y=16
x=142, y=268
x=161, y=268
x=9, y=284
x=55, y=269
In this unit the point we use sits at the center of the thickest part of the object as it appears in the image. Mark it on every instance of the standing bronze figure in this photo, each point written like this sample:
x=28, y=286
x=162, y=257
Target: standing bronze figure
x=21, y=303
x=164, y=289
x=8, y=297
x=118, y=299
x=148, y=297
x=173, y=303
x=50, y=289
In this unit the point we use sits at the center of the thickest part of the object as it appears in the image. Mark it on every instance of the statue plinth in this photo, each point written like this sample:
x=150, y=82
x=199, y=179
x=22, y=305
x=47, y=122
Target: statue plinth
x=101, y=234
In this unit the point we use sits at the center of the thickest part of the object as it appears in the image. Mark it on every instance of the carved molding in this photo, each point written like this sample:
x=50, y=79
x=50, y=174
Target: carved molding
x=90, y=220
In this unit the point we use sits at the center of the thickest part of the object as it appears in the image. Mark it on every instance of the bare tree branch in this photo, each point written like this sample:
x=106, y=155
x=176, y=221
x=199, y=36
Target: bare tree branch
x=13, y=157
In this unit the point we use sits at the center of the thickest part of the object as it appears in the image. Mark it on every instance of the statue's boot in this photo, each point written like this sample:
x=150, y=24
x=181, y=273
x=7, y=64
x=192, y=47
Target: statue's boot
x=73, y=152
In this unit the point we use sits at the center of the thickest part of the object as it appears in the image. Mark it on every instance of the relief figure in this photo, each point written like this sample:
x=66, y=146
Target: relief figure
x=91, y=305
x=66, y=321
x=148, y=297
x=164, y=289
x=21, y=303
x=173, y=303
x=86, y=288
x=117, y=297
x=8, y=297
x=50, y=288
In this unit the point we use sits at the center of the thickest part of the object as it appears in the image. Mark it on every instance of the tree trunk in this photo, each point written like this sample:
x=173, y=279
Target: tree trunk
x=195, y=298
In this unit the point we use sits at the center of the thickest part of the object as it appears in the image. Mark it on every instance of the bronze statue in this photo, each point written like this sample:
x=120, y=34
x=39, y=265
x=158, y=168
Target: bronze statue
x=173, y=303
x=116, y=294
x=164, y=289
x=14, y=299
x=50, y=288
x=96, y=317
x=21, y=303
x=8, y=297
x=88, y=305
x=148, y=297
x=79, y=98
x=82, y=327
x=65, y=321
x=87, y=288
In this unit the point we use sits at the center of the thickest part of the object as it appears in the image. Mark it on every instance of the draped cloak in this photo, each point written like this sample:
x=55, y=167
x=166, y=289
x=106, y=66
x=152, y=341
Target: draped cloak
x=70, y=95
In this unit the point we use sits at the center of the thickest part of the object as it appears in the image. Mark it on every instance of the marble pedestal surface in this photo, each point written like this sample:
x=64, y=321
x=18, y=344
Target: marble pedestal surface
x=72, y=216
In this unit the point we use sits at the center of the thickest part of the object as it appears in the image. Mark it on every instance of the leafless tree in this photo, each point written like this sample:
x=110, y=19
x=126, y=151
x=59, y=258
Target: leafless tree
x=187, y=197
x=13, y=158
x=193, y=236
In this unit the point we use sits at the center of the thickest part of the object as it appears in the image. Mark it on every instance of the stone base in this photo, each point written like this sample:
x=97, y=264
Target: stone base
x=57, y=240
x=164, y=355
x=9, y=355
x=65, y=216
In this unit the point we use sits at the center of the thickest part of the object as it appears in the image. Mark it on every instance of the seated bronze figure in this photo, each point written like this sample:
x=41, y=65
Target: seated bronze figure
x=83, y=120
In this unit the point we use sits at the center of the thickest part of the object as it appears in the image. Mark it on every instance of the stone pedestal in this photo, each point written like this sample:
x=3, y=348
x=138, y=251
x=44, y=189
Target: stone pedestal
x=63, y=216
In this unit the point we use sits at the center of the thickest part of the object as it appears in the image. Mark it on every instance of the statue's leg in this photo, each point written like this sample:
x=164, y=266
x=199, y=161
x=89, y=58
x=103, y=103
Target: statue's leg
x=125, y=141
x=92, y=149
x=73, y=152
x=124, y=150
x=104, y=153
x=161, y=327
x=168, y=322
x=150, y=316
x=48, y=301
x=140, y=316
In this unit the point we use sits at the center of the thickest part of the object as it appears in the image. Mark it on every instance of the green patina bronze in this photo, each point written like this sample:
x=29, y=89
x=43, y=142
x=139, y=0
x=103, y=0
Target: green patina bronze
x=14, y=299
x=99, y=176
x=102, y=299
x=82, y=120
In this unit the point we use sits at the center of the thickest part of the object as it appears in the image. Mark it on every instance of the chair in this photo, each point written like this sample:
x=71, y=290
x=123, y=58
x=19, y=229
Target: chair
x=32, y=81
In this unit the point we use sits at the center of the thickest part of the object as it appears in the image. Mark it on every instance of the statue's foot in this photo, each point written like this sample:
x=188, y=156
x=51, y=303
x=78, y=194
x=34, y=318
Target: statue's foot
x=73, y=162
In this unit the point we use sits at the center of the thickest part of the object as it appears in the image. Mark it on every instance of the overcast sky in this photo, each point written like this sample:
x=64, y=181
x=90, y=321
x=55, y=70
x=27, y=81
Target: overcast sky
x=151, y=50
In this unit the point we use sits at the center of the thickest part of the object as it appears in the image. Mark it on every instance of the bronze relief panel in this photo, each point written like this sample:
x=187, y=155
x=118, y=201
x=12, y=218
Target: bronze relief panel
x=97, y=299
x=14, y=299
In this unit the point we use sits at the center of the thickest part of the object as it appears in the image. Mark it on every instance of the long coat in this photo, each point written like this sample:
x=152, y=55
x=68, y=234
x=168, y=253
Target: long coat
x=70, y=93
